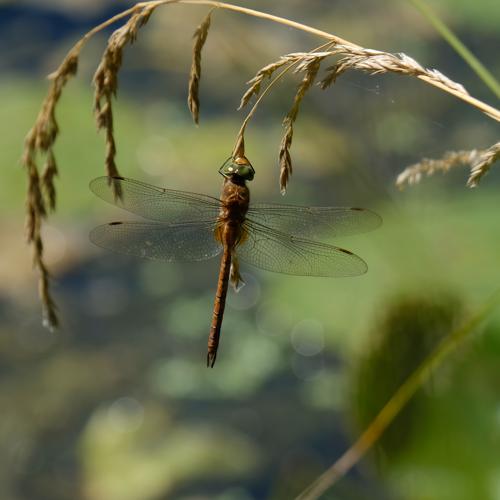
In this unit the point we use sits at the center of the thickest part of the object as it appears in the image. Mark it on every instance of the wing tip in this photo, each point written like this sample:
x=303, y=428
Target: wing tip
x=94, y=235
x=374, y=214
x=377, y=219
x=363, y=269
x=107, y=178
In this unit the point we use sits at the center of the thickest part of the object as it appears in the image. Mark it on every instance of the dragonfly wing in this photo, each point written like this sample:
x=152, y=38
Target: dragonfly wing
x=169, y=242
x=314, y=222
x=283, y=253
x=150, y=202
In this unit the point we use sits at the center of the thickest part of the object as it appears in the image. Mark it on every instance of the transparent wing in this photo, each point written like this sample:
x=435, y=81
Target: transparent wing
x=150, y=202
x=282, y=253
x=314, y=222
x=170, y=242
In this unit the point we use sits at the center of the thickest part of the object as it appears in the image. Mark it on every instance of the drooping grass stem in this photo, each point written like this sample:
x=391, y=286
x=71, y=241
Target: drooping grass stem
x=477, y=66
x=397, y=402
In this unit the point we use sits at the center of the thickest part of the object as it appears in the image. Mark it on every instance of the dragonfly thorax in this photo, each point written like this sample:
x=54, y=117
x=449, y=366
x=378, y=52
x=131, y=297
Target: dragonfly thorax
x=235, y=198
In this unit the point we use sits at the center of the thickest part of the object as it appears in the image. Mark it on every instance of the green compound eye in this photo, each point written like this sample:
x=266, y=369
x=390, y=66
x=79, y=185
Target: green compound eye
x=240, y=167
x=245, y=171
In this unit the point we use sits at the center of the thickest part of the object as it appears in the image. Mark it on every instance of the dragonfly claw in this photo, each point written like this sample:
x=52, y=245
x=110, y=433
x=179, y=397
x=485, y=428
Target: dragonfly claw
x=211, y=357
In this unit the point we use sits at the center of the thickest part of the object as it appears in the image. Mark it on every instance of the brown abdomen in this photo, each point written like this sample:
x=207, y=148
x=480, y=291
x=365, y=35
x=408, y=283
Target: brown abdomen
x=219, y=305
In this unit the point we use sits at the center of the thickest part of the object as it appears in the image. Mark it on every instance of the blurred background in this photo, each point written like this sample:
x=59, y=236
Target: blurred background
x=118, y=404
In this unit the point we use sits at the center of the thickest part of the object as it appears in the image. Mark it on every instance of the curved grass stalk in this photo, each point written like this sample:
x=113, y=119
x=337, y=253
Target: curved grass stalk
x=485, y=108
x=396, y=403
x=476, y=65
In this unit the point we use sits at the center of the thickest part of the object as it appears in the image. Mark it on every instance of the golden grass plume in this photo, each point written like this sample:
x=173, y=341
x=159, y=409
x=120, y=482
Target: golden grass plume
x=377, y=62
x=310, y=68
x=478, y=161
x=41, y=192
x=351, y=57
x=106, y=82
x=256, y=82
x=200, y=37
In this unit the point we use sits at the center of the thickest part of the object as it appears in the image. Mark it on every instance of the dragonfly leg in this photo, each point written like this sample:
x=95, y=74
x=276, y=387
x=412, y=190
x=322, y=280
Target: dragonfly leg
x=235, y=278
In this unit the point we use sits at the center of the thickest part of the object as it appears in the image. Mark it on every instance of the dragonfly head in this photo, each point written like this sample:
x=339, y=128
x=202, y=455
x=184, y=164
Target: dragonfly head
x=237, y=169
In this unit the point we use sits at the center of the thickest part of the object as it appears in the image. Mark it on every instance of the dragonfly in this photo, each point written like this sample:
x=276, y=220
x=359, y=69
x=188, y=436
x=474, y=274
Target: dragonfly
x=182, y=226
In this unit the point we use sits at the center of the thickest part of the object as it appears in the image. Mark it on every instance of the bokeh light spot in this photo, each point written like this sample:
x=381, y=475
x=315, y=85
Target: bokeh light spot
x=247, y=297
x=106, y=297
x=307, y=337
x=125, y=414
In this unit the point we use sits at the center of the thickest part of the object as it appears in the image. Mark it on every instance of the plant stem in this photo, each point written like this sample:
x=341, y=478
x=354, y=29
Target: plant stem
x=477, y=66
x=255, y=13
x=396, y=403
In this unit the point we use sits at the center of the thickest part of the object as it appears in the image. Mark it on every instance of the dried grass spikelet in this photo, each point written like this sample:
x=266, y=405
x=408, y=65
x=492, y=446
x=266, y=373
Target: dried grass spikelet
x=377, y=62
x=310, y=66
x=106, y=82
x=479, y=161
x=43, y=134
x=352, y=57
x=483, y=163
x=428, y=166
x=200, y=37
x=303, y=58
x=49, y=172
x=256, y=82
x=41, y=192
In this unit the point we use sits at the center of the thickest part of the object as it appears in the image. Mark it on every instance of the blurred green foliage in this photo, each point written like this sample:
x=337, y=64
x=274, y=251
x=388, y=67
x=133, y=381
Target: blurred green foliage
x=410, y=331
